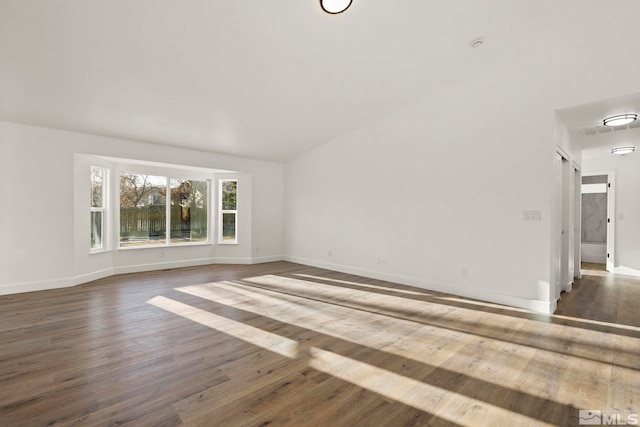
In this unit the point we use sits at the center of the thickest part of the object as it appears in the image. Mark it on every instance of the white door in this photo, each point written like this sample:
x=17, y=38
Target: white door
x=565, y=260
x=577, y=224
x=557, y=261
x=610, y=222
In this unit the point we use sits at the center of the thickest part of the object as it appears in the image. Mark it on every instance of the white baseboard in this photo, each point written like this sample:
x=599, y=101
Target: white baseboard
x=594, y=258
x=263, y=259
x=539, y=306
x=514, y=301
x=138, y=268
x=46, y=285
x=568, y=287
x=68, y=282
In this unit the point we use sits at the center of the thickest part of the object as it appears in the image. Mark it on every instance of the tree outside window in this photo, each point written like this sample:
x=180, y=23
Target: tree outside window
x=228, y=211
x=147, y=220
x=98, y=206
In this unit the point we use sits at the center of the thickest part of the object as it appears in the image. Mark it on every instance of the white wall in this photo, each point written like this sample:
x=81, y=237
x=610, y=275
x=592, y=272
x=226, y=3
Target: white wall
x=431, y=190
x=441, y=185
x=44, y=233
x=627, y=200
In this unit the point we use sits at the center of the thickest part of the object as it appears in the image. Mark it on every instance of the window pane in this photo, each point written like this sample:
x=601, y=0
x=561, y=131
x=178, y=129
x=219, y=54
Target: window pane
x=143, y=211
x=229, y=195
x=96, y=230
x=97, y=187
x=228, y=227
x=189, y=201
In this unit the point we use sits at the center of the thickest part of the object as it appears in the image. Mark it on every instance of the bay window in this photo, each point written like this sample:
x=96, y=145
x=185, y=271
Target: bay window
x=160, y=210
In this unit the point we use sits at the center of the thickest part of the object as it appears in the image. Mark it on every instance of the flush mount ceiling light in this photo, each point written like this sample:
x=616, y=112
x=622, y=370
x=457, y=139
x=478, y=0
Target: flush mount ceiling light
x=621, y=120
x=335, y=6
x=623, y=150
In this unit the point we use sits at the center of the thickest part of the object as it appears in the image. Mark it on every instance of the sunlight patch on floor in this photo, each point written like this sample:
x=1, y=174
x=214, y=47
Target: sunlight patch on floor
x=352, y=299
x=267, y=340
x=417, y=394
x=424, y=343
x=597, y=322
x=444, y=403
x=364, y=285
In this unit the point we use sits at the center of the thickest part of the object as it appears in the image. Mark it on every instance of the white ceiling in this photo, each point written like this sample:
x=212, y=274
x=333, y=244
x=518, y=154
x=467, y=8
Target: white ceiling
x=263, y=79
x=583, y=120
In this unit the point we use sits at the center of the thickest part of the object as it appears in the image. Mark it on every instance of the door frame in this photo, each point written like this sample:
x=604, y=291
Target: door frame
x=611, y=215
x=577, y=221
x=562, y=225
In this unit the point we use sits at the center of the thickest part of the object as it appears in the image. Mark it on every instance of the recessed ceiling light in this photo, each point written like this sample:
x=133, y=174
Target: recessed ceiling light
x=335, y=6
x=623, y=150
x=620, y=120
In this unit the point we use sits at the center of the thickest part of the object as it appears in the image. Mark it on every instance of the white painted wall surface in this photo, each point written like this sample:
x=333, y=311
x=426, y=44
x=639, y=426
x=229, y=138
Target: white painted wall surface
x=429, y=191
x=41, y=228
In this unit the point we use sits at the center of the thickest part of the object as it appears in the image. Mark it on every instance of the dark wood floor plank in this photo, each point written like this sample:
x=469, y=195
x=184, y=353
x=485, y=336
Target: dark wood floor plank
x=290, y=345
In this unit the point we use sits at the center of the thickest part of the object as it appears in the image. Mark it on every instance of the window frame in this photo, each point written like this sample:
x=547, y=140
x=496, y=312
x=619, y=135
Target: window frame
x=168, y=176
x=103, y=210
x=222, y=211
x=208, y=240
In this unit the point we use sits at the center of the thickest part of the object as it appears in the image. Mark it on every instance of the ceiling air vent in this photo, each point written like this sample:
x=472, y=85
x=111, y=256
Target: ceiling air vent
x=595, y=130
x=589, y=130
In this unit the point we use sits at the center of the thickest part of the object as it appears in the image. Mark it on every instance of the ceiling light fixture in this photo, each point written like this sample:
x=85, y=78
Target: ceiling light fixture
x=623, y=150
x=335, y=6
x=621, y=120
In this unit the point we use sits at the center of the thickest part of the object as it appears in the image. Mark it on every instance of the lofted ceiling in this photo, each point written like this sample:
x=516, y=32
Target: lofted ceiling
x=254, y=78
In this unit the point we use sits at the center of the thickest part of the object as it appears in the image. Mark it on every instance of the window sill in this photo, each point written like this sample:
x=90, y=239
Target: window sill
x=98, y=251
x=164, y=246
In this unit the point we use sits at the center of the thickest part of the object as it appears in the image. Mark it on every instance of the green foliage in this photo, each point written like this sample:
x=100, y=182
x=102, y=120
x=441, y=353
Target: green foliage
x=229, y=195
x=97, y=187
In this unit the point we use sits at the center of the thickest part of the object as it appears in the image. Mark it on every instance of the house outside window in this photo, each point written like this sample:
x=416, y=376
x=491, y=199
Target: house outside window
x=160, y=210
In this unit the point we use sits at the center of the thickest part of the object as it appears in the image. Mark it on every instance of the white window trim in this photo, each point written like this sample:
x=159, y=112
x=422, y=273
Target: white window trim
x=168, y=176
x=221, y=211
x=104, y=210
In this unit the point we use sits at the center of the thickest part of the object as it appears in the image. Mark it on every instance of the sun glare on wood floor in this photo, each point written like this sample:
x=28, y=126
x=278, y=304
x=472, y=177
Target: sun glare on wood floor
x=272, y=342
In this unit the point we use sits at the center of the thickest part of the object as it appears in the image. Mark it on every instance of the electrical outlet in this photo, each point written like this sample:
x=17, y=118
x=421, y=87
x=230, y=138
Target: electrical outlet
x=329, y=254
x=465, y=273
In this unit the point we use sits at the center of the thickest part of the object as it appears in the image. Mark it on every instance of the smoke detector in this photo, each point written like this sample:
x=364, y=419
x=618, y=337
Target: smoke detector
x=477, y=43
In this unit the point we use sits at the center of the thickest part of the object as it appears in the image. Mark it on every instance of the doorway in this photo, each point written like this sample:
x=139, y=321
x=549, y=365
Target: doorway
x=597, y=220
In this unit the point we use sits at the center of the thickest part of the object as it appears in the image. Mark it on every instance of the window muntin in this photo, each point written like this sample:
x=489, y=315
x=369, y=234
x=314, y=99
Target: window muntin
x=98, y=207
x=145, y=215
x=228, y=222
x=189, y=211
x=143, y=210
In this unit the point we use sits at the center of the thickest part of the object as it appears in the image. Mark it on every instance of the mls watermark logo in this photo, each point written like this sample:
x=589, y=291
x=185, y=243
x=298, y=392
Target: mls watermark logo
x=594, y=417
x=590, y=417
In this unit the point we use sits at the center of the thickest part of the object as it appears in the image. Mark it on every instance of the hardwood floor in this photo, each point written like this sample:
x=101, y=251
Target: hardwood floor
x=285, y=344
